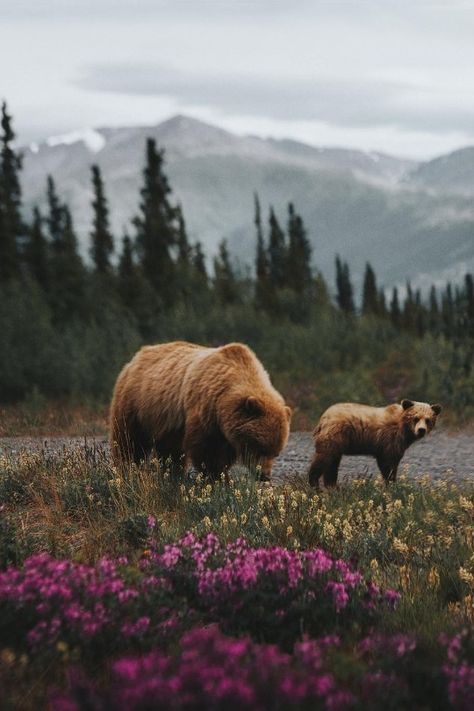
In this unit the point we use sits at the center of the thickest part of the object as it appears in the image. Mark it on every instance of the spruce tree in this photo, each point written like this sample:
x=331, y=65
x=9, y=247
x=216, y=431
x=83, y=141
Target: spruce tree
x=55, y=217
x=37, y=252
x=102, y=241
x=184, y=267
x=262, y=268
x=447, y=311
x=469, y=296
x=11, y=225
x=370, y=295
x=68, y=275
x=277, y=253
x=225, y=281
x=344, y=289
x=299, y=253
x=155, y=225
x=395, y=312
x=433, y=315
x=128, y=281
x=409, y=310
x=420, y=315
x=382, y=304
x=199, y=261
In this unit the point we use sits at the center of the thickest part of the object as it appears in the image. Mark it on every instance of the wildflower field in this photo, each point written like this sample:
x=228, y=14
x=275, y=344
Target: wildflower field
x=149, y=590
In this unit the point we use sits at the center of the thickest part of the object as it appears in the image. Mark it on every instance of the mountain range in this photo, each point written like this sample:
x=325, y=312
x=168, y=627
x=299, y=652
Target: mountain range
x=411, y=220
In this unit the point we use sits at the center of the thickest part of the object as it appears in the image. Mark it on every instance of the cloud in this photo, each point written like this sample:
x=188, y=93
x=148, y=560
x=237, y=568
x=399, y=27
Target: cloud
x=343, y=102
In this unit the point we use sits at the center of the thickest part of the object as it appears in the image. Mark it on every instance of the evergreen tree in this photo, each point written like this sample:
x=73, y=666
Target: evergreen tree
x=225, y=281
x=128, y=283
x=469, y=294
x=299, y=253
x=344, y=289
x=68, y=275
x=101, y=237
x=420, y=315
x=199, y=261
x=409, y=310
x=55, y=218
x=277, y=253
x=395, y=312
x=184, y=266
x=11, y=225
x=155, y=225
x=262, y=267
x=382, y=307
x=184, y=248
x=370, y=295
x=36, y=252
x=433, y=311
x=447, y=311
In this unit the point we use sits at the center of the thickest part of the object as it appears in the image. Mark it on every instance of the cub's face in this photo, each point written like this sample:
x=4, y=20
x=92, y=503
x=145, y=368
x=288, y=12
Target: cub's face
x=419, y=417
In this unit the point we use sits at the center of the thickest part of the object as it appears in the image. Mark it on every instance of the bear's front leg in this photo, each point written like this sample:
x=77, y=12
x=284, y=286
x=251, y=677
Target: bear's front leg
x=388, y=468
x=208, y=450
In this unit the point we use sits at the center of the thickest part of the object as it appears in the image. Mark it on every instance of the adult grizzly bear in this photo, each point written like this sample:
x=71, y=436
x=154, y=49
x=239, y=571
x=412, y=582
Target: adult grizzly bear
x=382, y=432
x=213, y=405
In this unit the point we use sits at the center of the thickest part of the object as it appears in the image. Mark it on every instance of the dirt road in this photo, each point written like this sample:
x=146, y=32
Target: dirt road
x=441, y=454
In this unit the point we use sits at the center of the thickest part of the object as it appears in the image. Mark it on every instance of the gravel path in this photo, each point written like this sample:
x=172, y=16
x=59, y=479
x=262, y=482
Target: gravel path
x=441, y=454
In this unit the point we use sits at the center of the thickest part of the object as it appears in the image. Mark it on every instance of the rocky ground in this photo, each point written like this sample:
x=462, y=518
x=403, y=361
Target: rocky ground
x=442, y=454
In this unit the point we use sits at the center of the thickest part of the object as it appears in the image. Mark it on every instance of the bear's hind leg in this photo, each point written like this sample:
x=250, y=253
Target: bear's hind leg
x=129, y=441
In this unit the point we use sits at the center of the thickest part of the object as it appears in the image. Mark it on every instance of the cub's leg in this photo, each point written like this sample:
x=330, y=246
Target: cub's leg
x=317, y=467
x=388, y=468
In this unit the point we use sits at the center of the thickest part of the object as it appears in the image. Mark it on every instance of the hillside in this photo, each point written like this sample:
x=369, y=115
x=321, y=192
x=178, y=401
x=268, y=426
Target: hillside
x=362, y=205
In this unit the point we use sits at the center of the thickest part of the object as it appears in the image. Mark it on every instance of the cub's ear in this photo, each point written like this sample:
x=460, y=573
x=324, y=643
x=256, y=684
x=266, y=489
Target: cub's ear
x=406, y=404
x=252, y=406
x=436, y=408
x=289, y=412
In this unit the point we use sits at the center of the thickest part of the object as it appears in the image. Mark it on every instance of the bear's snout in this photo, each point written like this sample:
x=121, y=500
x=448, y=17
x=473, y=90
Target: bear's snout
x=421, y=431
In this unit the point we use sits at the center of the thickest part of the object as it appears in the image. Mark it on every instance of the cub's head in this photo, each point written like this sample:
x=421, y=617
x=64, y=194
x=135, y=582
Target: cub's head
x=419, y=417
x=257, y=428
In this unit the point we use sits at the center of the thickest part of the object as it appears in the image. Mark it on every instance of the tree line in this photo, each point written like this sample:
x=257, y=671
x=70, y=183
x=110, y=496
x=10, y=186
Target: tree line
x=66, y=324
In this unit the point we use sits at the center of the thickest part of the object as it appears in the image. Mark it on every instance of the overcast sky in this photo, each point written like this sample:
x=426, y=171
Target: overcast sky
x=391, y=75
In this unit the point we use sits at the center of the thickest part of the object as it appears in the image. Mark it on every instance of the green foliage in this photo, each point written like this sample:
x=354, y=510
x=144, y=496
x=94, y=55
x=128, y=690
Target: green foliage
x=345, y=291
x=225, y=281
x=155, y=224
x=101, y=237
x=67, y=329
x=11, y=225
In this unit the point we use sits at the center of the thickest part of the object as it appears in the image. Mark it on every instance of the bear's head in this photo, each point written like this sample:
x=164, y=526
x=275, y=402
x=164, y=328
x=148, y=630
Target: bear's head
x=257, y=427
x=419, y=418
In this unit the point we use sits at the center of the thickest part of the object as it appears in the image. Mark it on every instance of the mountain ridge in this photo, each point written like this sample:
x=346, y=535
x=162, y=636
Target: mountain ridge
x=368, y=206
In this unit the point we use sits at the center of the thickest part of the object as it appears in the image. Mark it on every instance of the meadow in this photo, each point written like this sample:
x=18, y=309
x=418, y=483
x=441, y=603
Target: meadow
x=145, y=589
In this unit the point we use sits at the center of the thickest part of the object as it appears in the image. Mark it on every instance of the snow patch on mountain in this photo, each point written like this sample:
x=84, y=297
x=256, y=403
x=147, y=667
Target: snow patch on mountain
x=92, y=139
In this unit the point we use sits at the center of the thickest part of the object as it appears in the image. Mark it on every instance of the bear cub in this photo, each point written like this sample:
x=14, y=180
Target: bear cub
x=381, y=432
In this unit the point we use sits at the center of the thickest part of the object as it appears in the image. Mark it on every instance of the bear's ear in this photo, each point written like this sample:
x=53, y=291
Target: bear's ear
x=436, y=408
x=406, y=404
x=289, y=412
x=252, y=406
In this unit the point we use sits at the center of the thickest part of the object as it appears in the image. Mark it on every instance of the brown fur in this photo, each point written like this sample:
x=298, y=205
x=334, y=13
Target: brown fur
x=382, y=432
x=212, y=406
